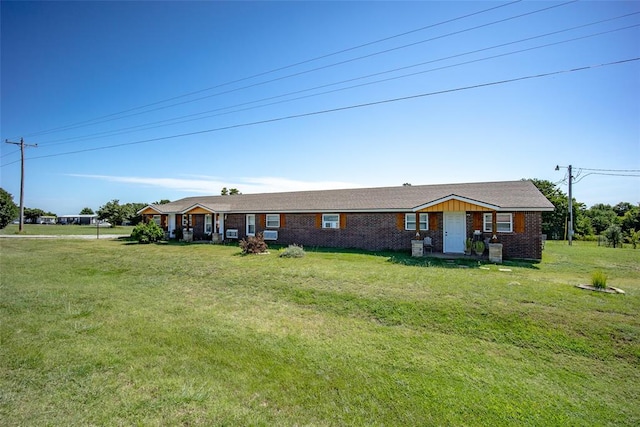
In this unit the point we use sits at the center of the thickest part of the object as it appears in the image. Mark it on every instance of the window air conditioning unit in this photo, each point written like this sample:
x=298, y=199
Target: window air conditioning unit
x=231, y=234
x=270, y=234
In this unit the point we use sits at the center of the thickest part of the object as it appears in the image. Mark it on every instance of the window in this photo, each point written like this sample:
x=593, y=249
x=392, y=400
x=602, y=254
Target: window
x=208, y=228
x=158, y=220
x=273, y=221
x=330, y=221
x=504, y=222
x=410, y=221
x=251, y=225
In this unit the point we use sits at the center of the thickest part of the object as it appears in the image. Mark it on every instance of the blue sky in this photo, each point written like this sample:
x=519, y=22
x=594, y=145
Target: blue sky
x=195, y=96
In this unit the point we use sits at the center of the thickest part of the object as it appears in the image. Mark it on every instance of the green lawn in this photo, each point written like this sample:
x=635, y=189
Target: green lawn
x=105, y=332
x=65, y=230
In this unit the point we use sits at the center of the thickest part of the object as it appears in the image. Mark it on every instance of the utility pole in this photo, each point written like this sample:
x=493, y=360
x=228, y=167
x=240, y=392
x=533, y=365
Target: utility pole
x=570, y=206
x=22, y=145
x=570, y=197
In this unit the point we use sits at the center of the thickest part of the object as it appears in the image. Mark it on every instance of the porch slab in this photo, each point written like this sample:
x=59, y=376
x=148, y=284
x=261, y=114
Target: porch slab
x=449, y=256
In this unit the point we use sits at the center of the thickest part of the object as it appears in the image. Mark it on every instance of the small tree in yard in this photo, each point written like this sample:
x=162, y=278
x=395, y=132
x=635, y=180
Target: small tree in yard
x=146, y=233
x=253, y=244
x=614, y=235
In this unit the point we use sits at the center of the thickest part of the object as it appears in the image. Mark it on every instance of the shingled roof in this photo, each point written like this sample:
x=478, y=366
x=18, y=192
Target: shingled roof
x=501, y=196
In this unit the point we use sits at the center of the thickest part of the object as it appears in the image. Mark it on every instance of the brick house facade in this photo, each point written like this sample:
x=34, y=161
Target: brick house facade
x=372, y=219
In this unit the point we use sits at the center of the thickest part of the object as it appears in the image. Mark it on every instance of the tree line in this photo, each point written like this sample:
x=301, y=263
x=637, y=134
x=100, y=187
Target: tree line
x=615, y=224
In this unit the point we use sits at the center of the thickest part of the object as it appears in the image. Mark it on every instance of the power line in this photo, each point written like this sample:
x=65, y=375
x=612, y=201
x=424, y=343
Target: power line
x=625, y=173
x=350, y=107
x=610, y=170
x=174, y=120
x=111, y=117
x=95, y=120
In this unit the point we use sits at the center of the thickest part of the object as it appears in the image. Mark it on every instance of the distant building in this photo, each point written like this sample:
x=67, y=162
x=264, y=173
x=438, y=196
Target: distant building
x=46, y=219
x=78, y=219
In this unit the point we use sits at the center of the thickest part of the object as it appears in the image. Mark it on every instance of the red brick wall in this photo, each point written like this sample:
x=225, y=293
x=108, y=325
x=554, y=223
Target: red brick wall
x=527, y=245
x=379, y=231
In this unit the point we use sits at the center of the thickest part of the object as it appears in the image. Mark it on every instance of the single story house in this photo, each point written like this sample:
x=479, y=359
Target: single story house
x=46, y=219
x=78, y=219
x=369, y=218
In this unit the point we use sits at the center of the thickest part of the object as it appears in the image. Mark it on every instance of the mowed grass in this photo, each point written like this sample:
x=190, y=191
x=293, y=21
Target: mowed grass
x=64, y=230
x=113, y=333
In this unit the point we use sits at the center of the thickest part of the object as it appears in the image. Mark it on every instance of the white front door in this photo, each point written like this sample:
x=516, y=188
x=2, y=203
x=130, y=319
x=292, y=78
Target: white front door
x=455, y=232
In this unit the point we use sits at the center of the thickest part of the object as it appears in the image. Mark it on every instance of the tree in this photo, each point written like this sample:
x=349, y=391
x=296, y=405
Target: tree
x=131, y=212
x=634, y=238
x=602, y=217
x=32, y=214
x=622, y=208
x=631, y=220
x=553, y=223
x=8, y=209
x=113, y=212
x=86, y=211
x=229, y=192
x=584, y=227
x=162, y=202
x=614, y=235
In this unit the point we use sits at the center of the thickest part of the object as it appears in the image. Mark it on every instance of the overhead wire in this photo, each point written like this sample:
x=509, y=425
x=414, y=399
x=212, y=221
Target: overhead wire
x=94, y=122
x=350, y=107
x=178, y=120
x=317, y=58
x=605, y=172
x=118, y=131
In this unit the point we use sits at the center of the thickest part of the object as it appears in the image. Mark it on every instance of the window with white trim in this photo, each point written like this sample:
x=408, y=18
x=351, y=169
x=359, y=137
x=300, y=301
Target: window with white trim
x=158, y=220
x=272, y=220
x=410, y=221
x=504, y=223
x=251, y=225
x=330, y=220
x=208, y=223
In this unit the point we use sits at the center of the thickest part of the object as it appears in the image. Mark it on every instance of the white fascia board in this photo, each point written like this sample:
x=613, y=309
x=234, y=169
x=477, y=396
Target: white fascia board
x=197, y=205
x=154, y=207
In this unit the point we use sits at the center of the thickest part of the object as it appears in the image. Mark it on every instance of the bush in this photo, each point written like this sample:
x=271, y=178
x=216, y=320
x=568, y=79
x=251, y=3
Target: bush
x=253, y=244
x=146, y=233
x=599, y=280
x=293, y=251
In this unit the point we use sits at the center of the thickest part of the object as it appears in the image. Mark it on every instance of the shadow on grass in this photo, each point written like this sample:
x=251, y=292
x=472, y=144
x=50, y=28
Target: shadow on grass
x=439, y=260
x=455, y=262
x=395, y=257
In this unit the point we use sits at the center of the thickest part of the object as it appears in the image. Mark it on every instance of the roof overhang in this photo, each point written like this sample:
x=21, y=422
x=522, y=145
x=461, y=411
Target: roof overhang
x=198, y=209
x=149, y=210
x=467, y=204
